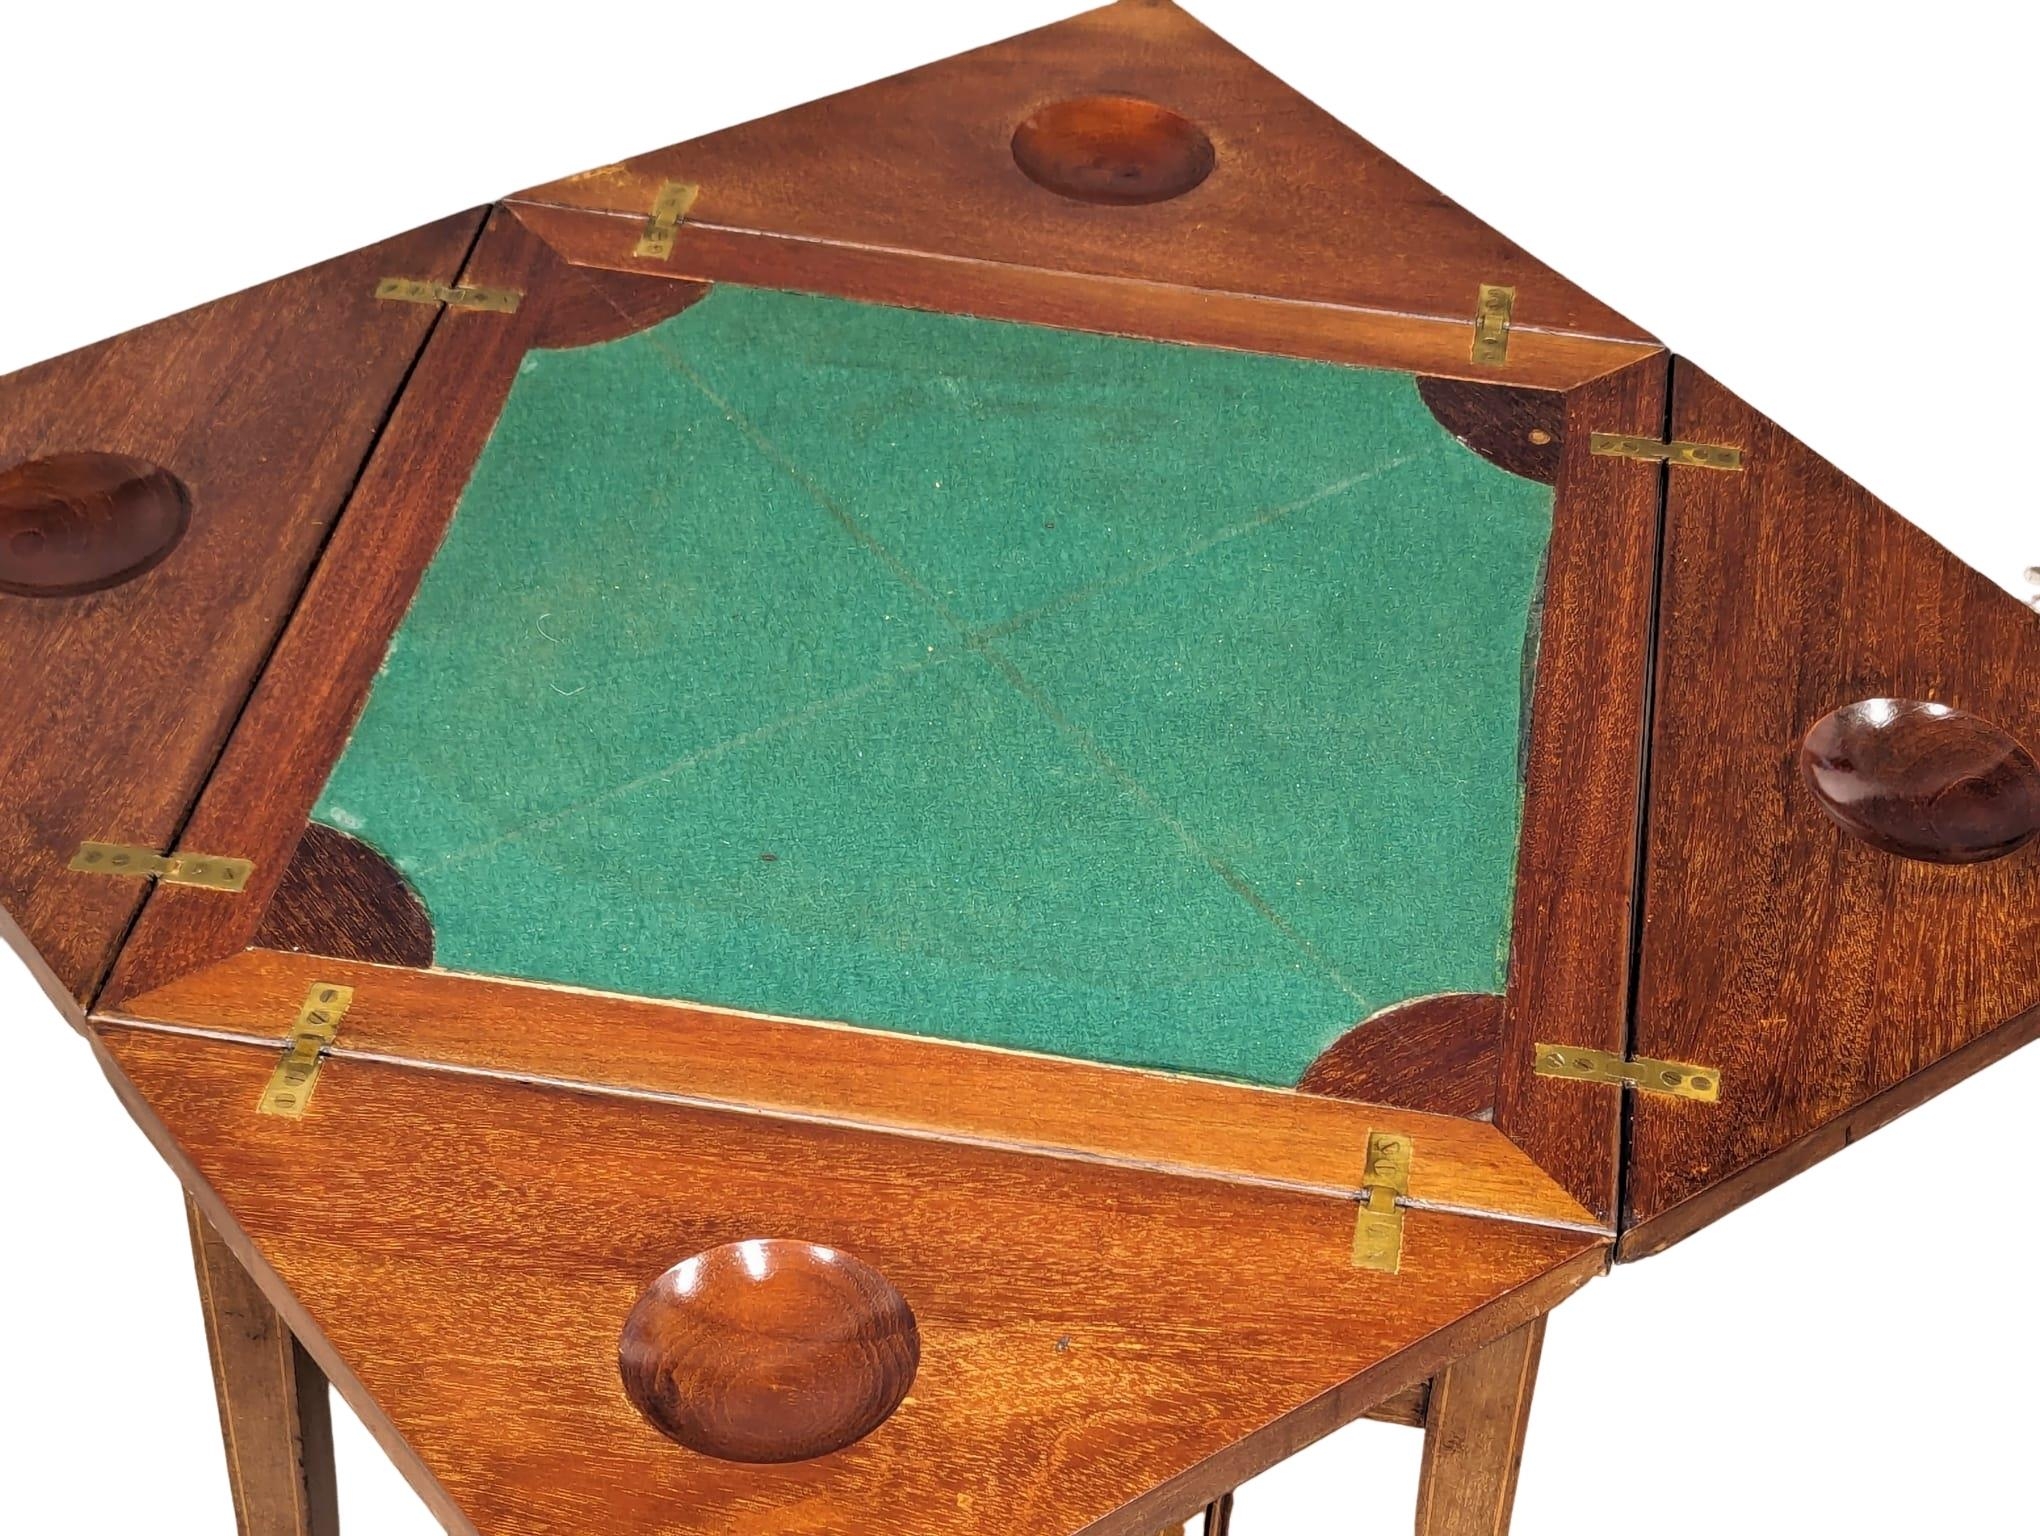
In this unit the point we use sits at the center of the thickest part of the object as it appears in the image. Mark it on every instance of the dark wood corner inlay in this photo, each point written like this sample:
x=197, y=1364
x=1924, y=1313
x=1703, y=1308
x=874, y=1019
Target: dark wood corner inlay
x=1436, y=1054
x=342, y=898
x=589, y=305
x=769, y=1350
x=1923, y=781
x=81, y=522
x=1520, y=430
x=1113, y=149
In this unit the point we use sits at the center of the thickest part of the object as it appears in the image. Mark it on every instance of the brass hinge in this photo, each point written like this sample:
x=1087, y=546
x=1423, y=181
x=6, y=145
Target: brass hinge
x=1676, y=1078
x=1696, y=455
x=202, y=869
x=668, y=209
x=1491, y=318
x=1377, y=1232
x=318, y=1021
x=413, y=291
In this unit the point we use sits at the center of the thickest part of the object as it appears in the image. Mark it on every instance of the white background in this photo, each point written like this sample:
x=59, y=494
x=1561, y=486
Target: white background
x=1826, y=207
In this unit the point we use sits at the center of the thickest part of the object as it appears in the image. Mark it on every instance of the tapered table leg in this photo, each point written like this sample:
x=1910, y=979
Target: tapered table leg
x=275, y=1412
x=1473, y=1437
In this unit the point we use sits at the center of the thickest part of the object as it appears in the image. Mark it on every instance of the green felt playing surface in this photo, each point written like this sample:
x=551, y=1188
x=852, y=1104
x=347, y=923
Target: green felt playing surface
x=1108, y=698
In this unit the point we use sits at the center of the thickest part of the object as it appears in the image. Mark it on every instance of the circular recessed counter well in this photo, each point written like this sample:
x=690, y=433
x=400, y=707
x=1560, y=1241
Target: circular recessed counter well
x=81, y=522
x=1923, y=780
x=769, y=1350
x=1113, y=149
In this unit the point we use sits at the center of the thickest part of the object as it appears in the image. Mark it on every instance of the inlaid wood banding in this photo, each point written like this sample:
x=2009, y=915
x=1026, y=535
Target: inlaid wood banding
x=1113, y=149
x=82, y=522
x=1923, y=781
x=1520, y=430
x=341, y=897
x=1431, y=1053
x=769, y=1350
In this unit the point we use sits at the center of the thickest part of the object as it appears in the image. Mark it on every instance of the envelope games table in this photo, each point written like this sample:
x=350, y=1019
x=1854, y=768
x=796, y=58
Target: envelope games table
x=962, y=811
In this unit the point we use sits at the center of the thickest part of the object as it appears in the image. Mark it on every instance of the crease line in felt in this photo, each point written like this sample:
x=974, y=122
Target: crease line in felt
x=1037, y=698
x=786, y=722
x=1076, y=597
x=975, y=640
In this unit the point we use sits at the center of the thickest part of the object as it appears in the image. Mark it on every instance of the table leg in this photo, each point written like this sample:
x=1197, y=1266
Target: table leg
x=1217, y=1520
x=275, y=1412
x=1473, y=1437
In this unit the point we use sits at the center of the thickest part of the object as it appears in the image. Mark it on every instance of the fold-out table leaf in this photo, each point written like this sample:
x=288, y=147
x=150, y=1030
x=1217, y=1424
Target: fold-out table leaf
x=962, y=811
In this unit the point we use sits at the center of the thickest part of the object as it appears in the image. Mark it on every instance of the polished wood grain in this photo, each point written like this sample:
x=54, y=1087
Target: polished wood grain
x=256, y=803
x=1112, y=149
x=769, y=1350
x=1076, y=1373
x=1656, y=1234
x=1297, y=207
x=339, y=1373
x=1081, y=301
x=263, y=406
x=1436, y=1054
x=1922, y=780
x=1473, y=1442
x=1409, y=1409
x=592, y=306
x=340, y=897
x=1570, y=944
x=74, y=523
x=1814, y=971
x=872, y=1078
x=275, y=1413
x=1521, y=430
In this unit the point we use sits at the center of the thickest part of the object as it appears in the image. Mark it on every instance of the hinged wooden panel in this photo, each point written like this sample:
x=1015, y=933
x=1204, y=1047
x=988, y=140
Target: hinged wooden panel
x=298, y=717
x=1832, y=687
x=162, y=496
x=1569, y=953
x=1100, y=1348
x=1128, y=144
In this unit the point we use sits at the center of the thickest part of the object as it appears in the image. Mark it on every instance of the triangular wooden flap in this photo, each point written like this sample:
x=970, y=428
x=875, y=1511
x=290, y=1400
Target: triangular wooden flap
x=162, y=496
x=1842, y=904
x=332, y=893
x=1128, y=142
x=992, y=1341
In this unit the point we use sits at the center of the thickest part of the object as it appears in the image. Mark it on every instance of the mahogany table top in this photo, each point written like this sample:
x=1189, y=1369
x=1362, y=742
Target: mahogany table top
x=976, y=804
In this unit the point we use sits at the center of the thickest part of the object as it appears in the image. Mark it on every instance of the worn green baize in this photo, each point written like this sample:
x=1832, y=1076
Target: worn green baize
x=1108, y=698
